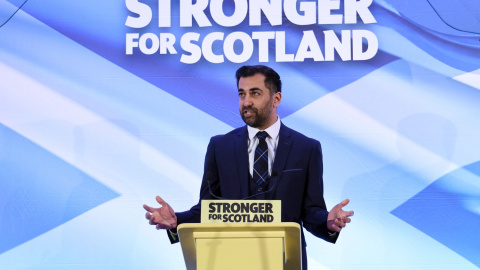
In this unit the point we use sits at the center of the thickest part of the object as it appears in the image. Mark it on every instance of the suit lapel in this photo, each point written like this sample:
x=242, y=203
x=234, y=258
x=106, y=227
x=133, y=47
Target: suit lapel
x=283, y=150
x=241, y=156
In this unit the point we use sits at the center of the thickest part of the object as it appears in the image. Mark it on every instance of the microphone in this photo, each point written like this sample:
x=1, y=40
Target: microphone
x=208, y=176
x=273, y=177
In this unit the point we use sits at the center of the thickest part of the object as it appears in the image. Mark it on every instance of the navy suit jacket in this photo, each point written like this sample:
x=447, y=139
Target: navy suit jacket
x=299, y=184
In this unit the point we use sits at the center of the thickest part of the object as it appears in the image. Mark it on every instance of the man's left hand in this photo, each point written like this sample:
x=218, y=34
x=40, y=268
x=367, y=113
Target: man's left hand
x=337, y=218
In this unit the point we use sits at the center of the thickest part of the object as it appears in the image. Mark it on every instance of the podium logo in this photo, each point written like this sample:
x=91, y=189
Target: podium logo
x=243, y=211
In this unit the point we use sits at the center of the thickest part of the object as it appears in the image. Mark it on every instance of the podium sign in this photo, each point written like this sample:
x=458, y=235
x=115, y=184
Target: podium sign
x=241, y=211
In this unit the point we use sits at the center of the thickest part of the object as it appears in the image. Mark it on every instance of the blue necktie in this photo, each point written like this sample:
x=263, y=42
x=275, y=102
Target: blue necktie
x=260, y=163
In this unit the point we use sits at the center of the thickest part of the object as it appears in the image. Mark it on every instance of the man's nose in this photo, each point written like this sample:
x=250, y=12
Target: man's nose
x=247, y=101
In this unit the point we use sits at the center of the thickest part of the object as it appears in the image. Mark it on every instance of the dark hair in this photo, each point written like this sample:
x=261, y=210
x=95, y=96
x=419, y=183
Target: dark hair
x=272, y=79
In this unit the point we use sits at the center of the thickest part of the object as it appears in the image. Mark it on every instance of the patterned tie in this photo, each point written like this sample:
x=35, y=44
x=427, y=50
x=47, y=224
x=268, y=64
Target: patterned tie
x=260, y=164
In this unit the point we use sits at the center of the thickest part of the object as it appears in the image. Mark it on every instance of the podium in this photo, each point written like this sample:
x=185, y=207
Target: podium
x=252, y=246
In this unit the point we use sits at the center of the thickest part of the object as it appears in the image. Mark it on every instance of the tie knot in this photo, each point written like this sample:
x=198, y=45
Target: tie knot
x=261, y=135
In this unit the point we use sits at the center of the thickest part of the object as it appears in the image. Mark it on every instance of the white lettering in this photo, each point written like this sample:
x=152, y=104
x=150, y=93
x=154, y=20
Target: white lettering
x=352, y=7
x=307, y=8
x=280, y=53
x=131, y=43
x=228, y=47
x=207, y=46
x=357, y=46
x=241, y=10
x=155, y=43
x=164, y=13
x=324, y=12
x=332, y=44
x=309, y=48
x=193, y=49
x=188, y=11
x=167, y=40
x=263, y=38
x=272, y=10
x=144, y=14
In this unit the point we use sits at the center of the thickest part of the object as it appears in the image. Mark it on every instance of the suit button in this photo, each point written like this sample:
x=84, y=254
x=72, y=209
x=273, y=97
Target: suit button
x=259, y=189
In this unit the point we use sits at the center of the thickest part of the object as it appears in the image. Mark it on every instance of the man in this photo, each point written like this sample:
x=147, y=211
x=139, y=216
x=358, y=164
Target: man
x=263, y=160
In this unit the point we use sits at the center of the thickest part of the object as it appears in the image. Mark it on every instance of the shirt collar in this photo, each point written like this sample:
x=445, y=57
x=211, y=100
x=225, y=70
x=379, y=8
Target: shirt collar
x=272, y=130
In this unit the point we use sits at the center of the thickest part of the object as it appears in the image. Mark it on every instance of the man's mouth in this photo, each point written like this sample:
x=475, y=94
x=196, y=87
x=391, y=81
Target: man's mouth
x=248, y=112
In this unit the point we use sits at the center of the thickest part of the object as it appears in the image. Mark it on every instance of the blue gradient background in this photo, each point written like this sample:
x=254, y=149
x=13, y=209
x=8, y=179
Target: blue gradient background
x=88, y=134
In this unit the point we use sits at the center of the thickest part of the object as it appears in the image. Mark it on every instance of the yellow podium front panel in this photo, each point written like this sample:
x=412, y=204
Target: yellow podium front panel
x=241, y=246
x=239, y=253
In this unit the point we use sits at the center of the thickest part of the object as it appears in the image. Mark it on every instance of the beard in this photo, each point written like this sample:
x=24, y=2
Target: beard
x=259, y=117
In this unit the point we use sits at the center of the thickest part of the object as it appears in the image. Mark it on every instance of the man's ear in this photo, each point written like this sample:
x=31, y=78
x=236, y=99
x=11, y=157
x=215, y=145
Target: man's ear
x=277, y=97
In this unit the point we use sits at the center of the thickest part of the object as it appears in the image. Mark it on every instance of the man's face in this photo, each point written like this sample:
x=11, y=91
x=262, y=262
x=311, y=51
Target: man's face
x=257, y=107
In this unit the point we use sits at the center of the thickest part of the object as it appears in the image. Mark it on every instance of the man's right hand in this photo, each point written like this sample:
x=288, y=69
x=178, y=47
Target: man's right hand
x=163, y=217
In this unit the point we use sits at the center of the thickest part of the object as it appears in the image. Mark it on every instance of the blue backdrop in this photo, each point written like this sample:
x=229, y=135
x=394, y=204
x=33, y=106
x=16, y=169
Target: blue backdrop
x=88, y=134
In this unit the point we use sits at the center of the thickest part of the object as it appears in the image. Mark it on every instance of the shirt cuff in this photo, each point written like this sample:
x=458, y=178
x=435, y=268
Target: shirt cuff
x=173, y=234
x=332, y=234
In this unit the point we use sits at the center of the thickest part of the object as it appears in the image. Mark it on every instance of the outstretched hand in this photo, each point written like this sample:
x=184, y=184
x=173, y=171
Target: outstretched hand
x=337, y=218
x=163, y=217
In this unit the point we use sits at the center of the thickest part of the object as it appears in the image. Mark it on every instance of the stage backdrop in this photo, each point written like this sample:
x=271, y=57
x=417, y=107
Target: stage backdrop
x=105, y=104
